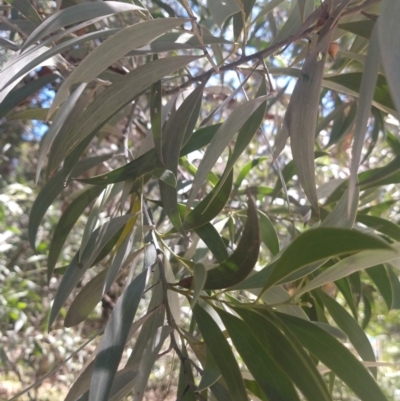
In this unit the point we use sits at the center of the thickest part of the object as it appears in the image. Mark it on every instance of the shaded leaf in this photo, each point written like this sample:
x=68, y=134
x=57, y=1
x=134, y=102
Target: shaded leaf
x=347, y=323
x=267, y=373
x=75, y=271
x=389, y=36
x=290, y=357
x=335, y=356
x=380, y=278
x=221, y=139
x=51, y=190
x=115, y=335
x=66, y=222
x=222, y=353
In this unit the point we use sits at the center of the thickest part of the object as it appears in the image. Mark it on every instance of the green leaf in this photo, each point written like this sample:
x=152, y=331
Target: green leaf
x=209, y=235
x=384, y=226
x=347, y=323
x=367, y=88
x=51, y=190
x=66, y=222
x=30, y=60
x=335, y=356
x=211, y=206
x=321, y=243
x=350, y=84
x=268, y=234
x=211, y=372
x=17, y=96
x=113, y=342
x=221, y=139
x=267, y=373
x=155, y=116
x=26, y=8
x=389, y=36
x=112, y=50
x=238, y=266
x=220, y=11
x=395, y=286
x=380, y=278
x=148, y=162
x=350, y=265
x=109, y=102
x=184, y=392
x=301, y=116
x=362, y=28
x=74, y=14
x=86, y=300
x=75, y=271
x=166, y=176
x=199, y=279
x=289, y=356
x=179, y=127
x=56, y=125
x=222, y=353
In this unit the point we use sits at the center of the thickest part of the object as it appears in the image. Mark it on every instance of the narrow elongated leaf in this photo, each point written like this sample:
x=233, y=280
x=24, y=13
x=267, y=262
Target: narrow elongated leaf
x=75, y=271
x=319, y=244
x=220, y=140
x=290, y=357
x=74, y=14
x=268, y=233
x=178, y=127
x=114, y=339
x=185, y=391
x=199, y=279
x=55, y=127
x=65, y=224
x=211, y=372
x=155, y=116
x=209, y=235
x=109, y=102
x=239, y=265
x=389, y=35
x=273, y=381
x=380, y=277
x=150, y=356
x=302, y=113
x=384, y=226
x=347, y=323
x=352, y=264
x=211, y=206
x=220, y=11
x=40, y=57
x=51, y=190
x=87, y=299
x=246, y=134
x=350, y=84
x=147, y=162
x=222, y=353
x=112, y=50
x=395, y=285
x=336, y=357
x=26, y=8
x=362, y=28
x=17, y=96
x=367, y=89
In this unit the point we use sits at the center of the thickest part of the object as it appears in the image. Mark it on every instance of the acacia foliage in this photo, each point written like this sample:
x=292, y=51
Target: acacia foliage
x=257, y=277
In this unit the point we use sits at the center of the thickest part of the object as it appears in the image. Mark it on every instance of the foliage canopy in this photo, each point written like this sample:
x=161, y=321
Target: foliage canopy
x=169, y=132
